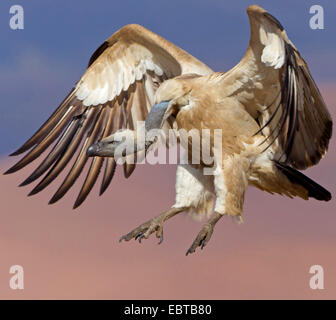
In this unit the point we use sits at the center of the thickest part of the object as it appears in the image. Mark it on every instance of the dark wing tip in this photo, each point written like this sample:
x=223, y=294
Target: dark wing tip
x=17, y=152
x=33, y=192
x=54, y=199
x=77, y=203
x=128, y=169
x=314, y=189
x=274, y=20
x=25, y=183
x=98, y=52
x=328, y=197
x=14, y=168
x=27, y=145
x=9, y=171
x=51, y=201
x=102, y=189
x=110, y=168
x=327, y=133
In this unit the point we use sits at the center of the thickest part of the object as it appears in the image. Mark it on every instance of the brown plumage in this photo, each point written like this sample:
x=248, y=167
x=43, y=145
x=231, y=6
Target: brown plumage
x=131, y=64
x=271, y=117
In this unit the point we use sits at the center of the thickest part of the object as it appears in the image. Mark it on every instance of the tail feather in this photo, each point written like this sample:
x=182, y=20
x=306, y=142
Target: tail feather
x=314, y=189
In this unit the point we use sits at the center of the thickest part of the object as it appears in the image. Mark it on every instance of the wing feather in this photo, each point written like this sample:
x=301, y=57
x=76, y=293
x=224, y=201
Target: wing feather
x=81, y=159
x=115, y=92
x=296, y=123
x=110, y=167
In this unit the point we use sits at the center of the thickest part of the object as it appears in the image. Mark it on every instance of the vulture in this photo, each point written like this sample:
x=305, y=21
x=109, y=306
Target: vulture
x=265, y=120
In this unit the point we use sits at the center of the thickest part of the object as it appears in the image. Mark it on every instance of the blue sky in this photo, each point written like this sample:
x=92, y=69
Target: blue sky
x=42, y=62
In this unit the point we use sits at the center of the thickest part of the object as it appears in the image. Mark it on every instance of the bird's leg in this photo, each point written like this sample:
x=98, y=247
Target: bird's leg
x=205, y=234
x=151, y=226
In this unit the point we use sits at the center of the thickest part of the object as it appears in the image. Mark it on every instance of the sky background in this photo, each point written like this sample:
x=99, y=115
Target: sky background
x=41, y=63
x=69, y=254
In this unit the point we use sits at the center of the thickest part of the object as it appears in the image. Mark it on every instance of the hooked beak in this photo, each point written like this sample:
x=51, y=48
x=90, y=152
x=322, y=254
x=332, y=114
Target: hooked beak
x=93, y=150
x=119, y=144
x=101, y=149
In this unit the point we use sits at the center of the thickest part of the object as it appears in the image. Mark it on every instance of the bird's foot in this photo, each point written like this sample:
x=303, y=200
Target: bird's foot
x=145, y=230
x=202, y=238
x=151, y=226
x=205, y=234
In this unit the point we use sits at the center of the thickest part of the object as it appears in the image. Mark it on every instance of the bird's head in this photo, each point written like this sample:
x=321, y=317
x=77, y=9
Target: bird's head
x=172, y=96
x=176, y=91
x=169, y=99
x=119, y=144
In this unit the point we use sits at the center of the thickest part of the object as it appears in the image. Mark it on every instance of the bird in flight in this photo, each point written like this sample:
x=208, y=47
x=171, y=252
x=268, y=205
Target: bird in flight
x=271, y=115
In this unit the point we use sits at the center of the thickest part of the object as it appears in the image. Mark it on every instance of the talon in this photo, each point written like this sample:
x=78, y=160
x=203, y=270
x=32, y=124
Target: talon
x=124, y=238
x=204, y=241
x=202, y=238
x=159, y=234
x=161, y=239
x=189, y=251
x=141, y=237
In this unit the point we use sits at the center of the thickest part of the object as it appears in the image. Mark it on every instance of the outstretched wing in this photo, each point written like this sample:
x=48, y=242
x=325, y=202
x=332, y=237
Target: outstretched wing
x=115, y=92
x=287, y=103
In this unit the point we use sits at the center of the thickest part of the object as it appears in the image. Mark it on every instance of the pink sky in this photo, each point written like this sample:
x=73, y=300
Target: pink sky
x=76, y=254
